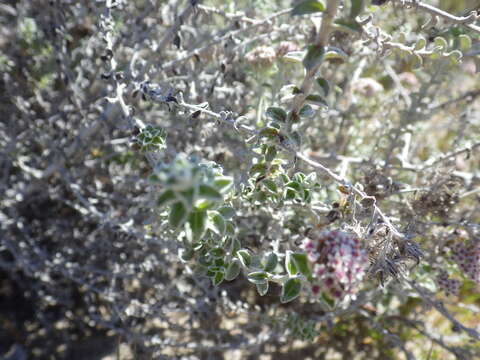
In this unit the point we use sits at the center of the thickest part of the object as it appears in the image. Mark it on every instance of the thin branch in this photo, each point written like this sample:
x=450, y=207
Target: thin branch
x=469, y=96
x=216, y=40
x=321, y=41
x=466, y=21
x=466, y=150
x=343, y=181
x=167, y=38
x=438, y=305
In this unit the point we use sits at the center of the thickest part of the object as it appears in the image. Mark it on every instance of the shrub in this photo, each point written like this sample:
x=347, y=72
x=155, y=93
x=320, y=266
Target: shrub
x=217, y=179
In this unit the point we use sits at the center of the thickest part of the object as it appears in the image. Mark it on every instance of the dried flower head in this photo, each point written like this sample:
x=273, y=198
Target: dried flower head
x=261, y=56
x=441, y=198
x=285, y=47
x=448, y=285
x=467, y=257
x=368, y=86
x=339, y=263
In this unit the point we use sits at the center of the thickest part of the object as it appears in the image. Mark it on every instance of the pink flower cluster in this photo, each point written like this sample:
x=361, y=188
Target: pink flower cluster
x=448, y=285
x=467, y=258
x=339, y=263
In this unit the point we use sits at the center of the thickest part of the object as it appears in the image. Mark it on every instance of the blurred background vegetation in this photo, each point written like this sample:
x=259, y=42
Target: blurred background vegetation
x=86, y=269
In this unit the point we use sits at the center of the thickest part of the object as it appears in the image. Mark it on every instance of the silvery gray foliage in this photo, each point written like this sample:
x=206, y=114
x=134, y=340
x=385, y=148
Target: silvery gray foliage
x=162, y=163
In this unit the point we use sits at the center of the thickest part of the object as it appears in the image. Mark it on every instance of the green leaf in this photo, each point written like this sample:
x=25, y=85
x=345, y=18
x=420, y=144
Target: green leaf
x=270, y=185
x=357, y=8
x=223, y=183
x=165, y=197
x=306, y=195
x=308, y=7
x=275, y=124
x=296, y=138
x=294, y=185
x=299, y=177
x=277, y=114
x=198, y=223
x=236, y=245
x=290, y=194
x=218, y=223
x=294, y=56
x=217, y=252
x=197, y=245
x=178, y=214
x=227, y=212
x=284, y=178
x=349, y=25
x=440, y=43
x=208, y=192
x=301, y=262
x=187, y=254
x=291, y=289
x=270, y=153
x=260, y=169
x=296, y=90
x=306, y=111
x=219, y=261
x=233, y=270
x=258, y=277
x=269, y=132
x=188, y=195
x=218, y=278
x=324, y=85
x=262, y=288
x=335, y=53
x=455, y=56
x=465, y=42
x=245, y=257
x=421, y=43
x=314, y=56
x=317, y=99
x=290, y=264
x=416, y=61
x=271, y=262
x=230, y=229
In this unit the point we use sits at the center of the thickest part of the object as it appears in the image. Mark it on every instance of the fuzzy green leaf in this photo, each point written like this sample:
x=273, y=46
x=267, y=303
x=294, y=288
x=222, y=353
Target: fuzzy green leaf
x=258, y=277
x=218, y=224
x=270, y=153
x=233, y=270
x=165, y=198
x=245, y=257
x=227, y=212
x=314, y=56
x=223, y=183
x=277, y=114
x=291, y=289
x=324, y=85
x=306, y=111
x=270, y=185
x=335, y=53
x=218, y=278
x=198, y=223
x=262, y=288
x=317, y=99
x=209, y=193
x=178, y=214
x=308, y=7
x=290, y=264
x=271, y=262
x=301, y=263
